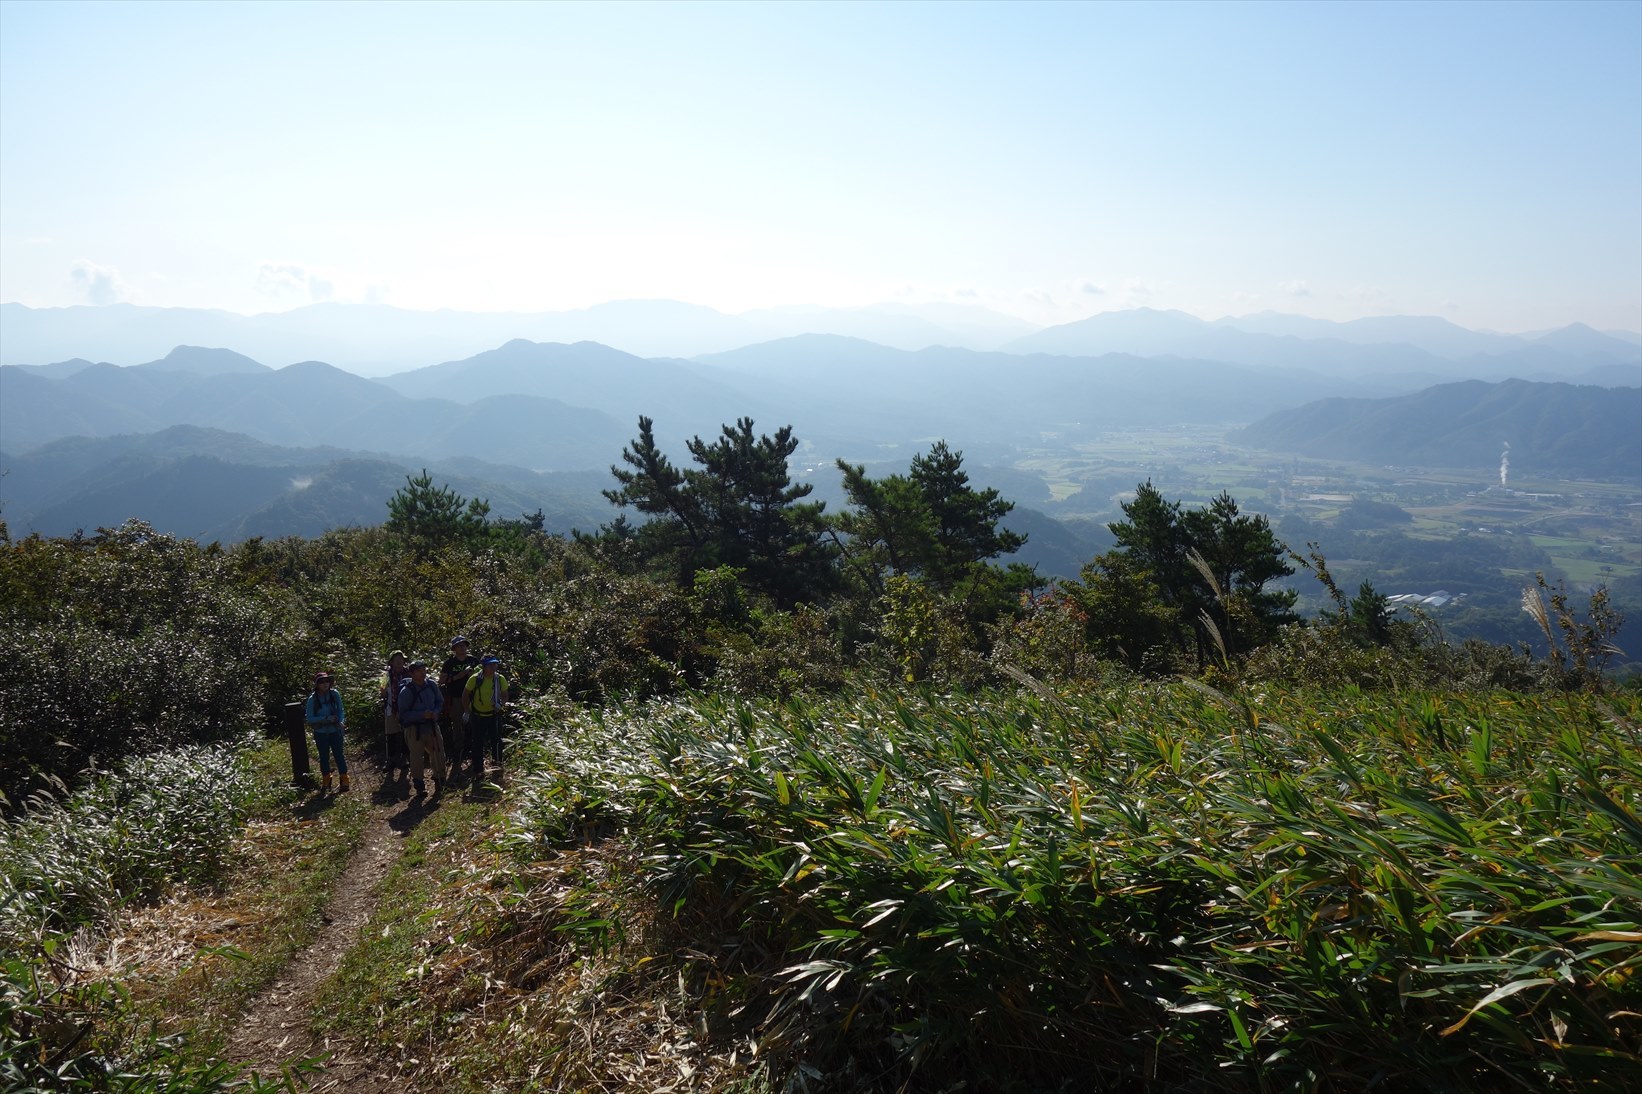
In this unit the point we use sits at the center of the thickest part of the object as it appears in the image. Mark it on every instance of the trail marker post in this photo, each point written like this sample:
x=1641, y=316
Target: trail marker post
x=297, y=730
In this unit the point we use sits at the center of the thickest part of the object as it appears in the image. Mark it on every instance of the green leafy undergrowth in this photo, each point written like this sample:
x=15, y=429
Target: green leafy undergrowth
x=1162, y=885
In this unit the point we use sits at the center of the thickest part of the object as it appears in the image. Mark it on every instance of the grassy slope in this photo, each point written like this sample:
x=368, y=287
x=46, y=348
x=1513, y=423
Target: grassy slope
x=1160, y=884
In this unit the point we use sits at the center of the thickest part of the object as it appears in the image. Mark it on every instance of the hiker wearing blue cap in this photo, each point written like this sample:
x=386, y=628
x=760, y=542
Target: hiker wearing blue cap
x=453, y=678
x=484, y=699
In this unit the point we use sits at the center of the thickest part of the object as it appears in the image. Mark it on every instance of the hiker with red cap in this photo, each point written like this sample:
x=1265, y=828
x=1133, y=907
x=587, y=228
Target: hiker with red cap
x=324, y=715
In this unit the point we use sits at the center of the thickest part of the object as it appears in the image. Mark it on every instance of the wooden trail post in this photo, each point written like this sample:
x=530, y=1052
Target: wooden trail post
x=297, y=730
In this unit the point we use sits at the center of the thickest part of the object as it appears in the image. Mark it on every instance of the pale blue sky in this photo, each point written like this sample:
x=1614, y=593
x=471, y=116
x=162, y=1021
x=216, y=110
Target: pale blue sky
x=1478, y=161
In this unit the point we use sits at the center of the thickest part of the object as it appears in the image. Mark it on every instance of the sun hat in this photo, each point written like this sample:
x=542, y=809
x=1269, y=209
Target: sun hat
x=492, y=660
x=459, y=640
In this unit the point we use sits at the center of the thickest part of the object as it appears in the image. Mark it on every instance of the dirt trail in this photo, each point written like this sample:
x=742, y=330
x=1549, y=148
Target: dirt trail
x=275, y=1030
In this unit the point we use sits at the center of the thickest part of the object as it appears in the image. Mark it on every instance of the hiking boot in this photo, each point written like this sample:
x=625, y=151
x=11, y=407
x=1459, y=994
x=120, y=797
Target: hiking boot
x=325, y=786
x=344, y=780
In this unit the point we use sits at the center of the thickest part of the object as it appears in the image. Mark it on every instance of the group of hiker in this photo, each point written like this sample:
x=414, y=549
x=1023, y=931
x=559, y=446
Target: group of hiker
x=426, y=723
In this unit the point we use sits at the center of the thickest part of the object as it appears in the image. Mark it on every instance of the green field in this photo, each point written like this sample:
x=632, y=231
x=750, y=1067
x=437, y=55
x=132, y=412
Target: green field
x=1592, y=531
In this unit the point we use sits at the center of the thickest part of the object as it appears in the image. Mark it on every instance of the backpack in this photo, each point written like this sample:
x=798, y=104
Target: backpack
x=417, y=691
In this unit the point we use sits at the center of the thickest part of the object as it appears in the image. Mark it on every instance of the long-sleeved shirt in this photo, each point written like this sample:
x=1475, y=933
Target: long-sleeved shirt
x=319, y=710
x=417, y=699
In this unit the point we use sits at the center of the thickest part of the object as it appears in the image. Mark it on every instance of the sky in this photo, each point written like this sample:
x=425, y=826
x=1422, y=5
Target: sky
x=1481, y=162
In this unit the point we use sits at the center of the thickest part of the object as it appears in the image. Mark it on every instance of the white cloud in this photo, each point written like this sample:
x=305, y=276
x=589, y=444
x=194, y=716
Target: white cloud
x=101, y=284
x=1296, y=288
x=283, y=280
x=1137, y=287
x=1088, y=288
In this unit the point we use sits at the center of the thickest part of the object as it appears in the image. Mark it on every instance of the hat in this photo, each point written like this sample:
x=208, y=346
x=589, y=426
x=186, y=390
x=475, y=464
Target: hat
x=319, y=676
x=490, y=661
x=396, y=653
x=459, y=640
x=419, y=664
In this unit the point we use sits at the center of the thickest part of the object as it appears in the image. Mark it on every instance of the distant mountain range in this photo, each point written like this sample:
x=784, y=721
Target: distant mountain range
x=216, y=444
x=1411, y=346
x=214, y=485
x=302, y=405
x=375, y=340
x=555, y=407
x=1552, y=429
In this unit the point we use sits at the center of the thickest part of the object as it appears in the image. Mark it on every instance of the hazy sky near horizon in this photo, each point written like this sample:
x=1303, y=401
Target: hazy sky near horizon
x=1477, y=161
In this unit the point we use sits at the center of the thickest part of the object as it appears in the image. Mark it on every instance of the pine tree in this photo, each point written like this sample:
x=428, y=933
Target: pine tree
x=737, y=507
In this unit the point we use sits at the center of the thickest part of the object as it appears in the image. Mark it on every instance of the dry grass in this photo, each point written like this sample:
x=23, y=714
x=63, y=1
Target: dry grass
x=194, y=961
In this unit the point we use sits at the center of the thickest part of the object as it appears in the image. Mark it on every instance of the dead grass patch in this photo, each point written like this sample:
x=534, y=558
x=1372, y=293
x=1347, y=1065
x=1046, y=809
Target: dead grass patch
x=193, y=962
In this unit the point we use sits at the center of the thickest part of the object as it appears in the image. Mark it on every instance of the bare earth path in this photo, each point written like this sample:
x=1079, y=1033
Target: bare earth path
x=276, y=1027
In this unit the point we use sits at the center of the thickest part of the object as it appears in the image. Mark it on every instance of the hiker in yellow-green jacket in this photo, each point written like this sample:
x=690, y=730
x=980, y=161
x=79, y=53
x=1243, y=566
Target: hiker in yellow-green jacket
x=484, y=698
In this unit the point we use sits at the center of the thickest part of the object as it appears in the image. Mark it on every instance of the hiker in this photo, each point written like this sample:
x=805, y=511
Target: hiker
x=323, y=713
x=396, y=752
x=453, y=678
x=483, y=701
x=420, y=702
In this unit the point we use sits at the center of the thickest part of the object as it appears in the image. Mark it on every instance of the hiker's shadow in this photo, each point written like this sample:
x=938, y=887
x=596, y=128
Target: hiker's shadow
x=390, y=792
x=313, y=803
x=416, y=810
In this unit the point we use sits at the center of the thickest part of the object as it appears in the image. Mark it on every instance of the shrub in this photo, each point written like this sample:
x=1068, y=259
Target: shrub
x=122, y=644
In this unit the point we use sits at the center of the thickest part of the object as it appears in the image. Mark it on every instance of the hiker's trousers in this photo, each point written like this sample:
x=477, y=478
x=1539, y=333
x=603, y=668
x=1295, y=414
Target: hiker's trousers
x=423, y=743
x=394, y=735
x=485, y=730
x=329, y=743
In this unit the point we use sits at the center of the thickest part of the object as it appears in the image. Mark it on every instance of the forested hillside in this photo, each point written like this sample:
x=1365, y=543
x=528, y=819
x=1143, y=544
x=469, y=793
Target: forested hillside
x=1548, y=429
x=209, y=484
